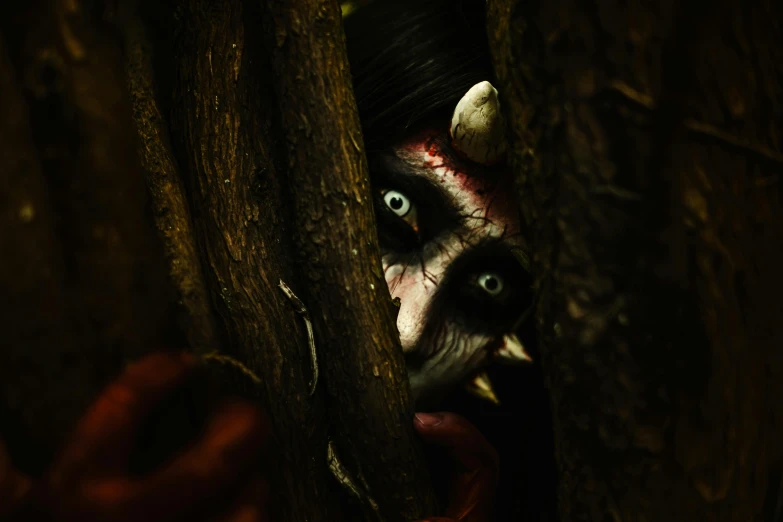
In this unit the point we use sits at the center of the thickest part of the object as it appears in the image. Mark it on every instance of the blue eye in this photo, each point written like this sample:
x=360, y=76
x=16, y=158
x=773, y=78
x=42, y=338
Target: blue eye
x=490, y=283
x=397, y=202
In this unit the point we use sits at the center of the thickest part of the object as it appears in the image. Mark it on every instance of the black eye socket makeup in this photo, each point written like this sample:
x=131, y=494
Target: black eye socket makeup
x=486, y=288
x=435, y=211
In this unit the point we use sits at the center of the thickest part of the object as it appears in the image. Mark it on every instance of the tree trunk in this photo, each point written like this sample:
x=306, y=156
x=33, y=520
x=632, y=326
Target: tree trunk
x=647, y=141
x=369, y=401
x=228, y=98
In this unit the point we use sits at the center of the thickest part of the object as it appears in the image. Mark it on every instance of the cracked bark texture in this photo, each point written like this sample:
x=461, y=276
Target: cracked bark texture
x=231, y=101
x=647, y=142
x=220, y=111
x=368, y=396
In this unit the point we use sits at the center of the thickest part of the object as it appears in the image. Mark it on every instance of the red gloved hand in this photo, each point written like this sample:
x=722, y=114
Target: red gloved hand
x=90, y=481
x=472, y=485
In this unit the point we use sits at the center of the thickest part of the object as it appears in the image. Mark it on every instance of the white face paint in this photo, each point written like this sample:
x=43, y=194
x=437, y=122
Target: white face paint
x=448, y=227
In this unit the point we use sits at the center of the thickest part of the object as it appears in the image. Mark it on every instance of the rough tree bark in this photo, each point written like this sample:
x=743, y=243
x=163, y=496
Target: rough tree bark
x=84, y=264
x=222, y=132
x=224, y=117
x=370, y=406
x=647, y=140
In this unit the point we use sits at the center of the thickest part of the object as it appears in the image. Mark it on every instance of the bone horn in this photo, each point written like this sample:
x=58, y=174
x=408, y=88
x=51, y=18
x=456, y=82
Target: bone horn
x=476, y=126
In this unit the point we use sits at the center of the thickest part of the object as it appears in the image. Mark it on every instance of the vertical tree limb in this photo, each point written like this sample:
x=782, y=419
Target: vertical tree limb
x=167, y=191
x=660, y=283
x=336, y=242
x=337, y=252
x=222, y=110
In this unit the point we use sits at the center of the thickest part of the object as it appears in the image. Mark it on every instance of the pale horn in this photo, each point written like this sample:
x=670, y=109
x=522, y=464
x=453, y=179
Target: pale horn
x=476, y=126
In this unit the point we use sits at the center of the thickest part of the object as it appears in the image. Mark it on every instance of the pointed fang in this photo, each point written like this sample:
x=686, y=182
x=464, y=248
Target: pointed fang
x=512, y=351
x=481, y=387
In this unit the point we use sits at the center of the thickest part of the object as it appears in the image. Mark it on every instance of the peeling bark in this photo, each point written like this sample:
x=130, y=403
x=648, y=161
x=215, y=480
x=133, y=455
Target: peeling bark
x=647, y=143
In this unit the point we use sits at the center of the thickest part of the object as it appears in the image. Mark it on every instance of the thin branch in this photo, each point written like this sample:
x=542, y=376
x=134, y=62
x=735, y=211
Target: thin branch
x=343, y=476
x=300, y=309
x=170, y=205
x=231, y=361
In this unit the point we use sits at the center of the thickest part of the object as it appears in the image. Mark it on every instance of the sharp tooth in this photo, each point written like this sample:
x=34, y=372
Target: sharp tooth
x=512, y=351
x=481, y=387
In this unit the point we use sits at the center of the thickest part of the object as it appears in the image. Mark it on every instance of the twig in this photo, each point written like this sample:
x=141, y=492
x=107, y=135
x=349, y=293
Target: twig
x=300, y=309
x=230, y=361
x=355, y=144
x=343, y=477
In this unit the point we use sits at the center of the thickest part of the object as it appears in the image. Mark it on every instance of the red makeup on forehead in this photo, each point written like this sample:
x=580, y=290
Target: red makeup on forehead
x=433, y=142
x=493, y=184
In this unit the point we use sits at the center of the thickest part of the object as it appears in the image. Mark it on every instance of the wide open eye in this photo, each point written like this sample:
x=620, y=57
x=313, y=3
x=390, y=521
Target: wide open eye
x=402, y=209
x=397, y=202
x=490, y=282
x=398, y=221
x=485, y=289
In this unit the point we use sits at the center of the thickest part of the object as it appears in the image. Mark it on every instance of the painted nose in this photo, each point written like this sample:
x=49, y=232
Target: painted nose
x=416, y=285
x=416, y=288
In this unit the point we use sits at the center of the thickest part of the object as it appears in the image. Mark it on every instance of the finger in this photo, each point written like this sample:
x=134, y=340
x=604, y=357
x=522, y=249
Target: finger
x=232, y=444
x=105, y=435
x=472, y=488
x=251, y=505
x=459, y=437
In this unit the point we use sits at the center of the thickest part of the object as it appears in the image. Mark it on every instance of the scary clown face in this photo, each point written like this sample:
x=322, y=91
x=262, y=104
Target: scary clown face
x=449, y=227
